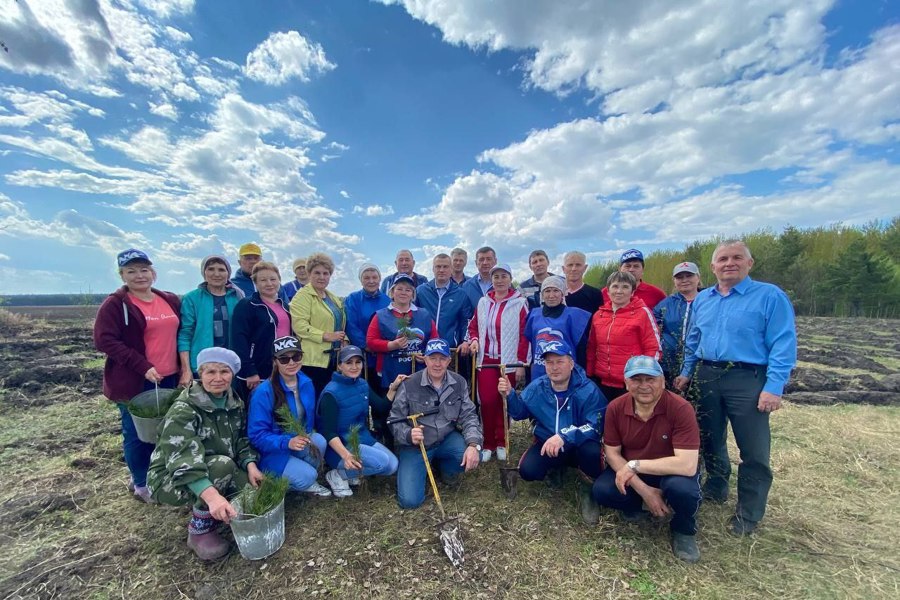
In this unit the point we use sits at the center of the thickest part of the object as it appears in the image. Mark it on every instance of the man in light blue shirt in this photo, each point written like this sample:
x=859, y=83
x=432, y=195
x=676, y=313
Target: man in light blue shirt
x=740, y=348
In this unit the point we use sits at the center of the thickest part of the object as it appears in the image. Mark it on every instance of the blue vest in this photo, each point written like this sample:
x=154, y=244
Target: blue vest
x=402, y=361
x=352, y=396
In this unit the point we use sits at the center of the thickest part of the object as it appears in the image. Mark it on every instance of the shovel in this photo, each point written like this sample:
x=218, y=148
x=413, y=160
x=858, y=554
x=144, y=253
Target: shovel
x=509, y=476
x=448, y=529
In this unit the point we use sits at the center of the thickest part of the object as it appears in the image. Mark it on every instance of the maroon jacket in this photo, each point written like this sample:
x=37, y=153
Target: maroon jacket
x=119, y=334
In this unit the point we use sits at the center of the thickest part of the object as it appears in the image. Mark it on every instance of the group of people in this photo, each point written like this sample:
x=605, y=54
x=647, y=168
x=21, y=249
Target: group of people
x=595, y=366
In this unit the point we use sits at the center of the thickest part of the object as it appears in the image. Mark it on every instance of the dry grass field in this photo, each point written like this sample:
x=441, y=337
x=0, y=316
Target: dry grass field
x=69, y=529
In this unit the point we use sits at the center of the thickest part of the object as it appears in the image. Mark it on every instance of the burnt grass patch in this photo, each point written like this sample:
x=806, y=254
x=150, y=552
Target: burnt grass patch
x=70, y=528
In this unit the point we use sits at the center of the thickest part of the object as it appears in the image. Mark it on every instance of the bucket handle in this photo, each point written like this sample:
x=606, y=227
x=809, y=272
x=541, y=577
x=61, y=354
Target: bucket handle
x=156, y=385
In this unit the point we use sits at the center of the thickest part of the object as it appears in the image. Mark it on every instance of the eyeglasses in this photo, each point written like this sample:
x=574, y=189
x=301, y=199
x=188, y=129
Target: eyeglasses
x=289, y=358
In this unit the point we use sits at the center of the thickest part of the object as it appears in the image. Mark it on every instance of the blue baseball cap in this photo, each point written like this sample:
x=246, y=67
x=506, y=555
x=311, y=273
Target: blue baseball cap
x=132, y=255
x=632, y=254
x=642, y=365
x=403, y=278
x=437, y=346
x=557, y=346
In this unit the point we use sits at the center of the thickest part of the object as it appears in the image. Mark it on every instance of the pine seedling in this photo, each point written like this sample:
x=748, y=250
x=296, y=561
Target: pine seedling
x=353, y=442
x=269, y=494
x=291, y=424
x=403, y=323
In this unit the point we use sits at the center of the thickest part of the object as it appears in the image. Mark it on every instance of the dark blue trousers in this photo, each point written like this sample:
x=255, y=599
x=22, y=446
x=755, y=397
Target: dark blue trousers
x=731, y=396
x=681, y=493
x=587, y=457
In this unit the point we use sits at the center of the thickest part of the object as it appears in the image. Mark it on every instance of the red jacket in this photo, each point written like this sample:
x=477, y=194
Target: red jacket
x=617, y=336
x=649, y=293
x=119, y=334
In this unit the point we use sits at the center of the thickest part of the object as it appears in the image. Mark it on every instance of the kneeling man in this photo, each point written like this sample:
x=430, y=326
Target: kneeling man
x=652, y=442
x=452, y=434
x=567, y=409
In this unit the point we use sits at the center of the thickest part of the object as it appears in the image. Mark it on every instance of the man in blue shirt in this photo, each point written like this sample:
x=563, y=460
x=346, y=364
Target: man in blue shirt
x=743, y=344
x=479, y=285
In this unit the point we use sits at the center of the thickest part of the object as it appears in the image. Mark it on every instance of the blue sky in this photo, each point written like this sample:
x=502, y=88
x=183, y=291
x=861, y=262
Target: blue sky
x=186, y=128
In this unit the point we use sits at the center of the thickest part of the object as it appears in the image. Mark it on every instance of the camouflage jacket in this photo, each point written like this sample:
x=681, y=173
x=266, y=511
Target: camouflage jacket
x=193, y=431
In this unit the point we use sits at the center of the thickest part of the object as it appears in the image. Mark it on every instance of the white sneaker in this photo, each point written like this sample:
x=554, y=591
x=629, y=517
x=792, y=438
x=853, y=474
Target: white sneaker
x=501, y=454
x=340, y=487
x=317, y=489
x=486, y=456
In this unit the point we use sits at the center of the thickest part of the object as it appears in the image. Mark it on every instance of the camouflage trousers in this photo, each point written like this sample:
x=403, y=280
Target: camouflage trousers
x=225, y=475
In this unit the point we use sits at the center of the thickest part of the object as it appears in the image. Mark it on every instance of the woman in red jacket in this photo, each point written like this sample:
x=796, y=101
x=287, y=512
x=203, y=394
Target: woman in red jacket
x=137, y=327
x=622, y=328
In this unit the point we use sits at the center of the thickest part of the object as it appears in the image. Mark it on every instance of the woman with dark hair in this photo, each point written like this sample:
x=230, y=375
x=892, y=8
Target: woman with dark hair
x=620, y=329
x=136, y=328
x=283, y=452
x=258, y=321
x=206, y=313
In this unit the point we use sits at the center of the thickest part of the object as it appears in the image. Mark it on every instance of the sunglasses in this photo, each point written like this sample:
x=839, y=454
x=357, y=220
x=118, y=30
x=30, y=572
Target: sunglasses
x=289, y=358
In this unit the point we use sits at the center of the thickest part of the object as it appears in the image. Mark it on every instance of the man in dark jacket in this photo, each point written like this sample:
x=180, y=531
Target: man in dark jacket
x=539, y=263
x=405, y=264
x=446, y=301
x=452, y=436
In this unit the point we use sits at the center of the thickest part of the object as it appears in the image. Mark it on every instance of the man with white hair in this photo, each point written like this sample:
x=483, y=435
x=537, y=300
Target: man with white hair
x=405, y=264
x=578, y=293
x=743, y=343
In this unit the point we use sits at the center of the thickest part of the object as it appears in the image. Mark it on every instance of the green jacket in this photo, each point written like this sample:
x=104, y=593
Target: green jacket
x=310, y=318
x=194, y=431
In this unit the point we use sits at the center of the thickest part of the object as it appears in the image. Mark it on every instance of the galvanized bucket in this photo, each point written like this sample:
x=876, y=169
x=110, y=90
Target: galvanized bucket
x=258, y=537
x=147, y=427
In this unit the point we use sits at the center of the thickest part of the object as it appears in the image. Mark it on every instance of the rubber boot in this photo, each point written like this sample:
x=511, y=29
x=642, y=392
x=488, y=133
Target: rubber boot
x=203, y=539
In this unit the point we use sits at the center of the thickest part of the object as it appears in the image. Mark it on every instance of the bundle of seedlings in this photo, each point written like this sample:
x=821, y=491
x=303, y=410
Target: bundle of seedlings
x=291, y=424
x=353, y=447
x=403, y=328
x=259, y=501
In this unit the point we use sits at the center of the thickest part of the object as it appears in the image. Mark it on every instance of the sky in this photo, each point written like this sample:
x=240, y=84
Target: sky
x=187, y=127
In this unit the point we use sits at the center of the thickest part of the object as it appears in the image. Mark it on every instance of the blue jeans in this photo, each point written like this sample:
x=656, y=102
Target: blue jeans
x=137, y=453
x=446, y=455
x=376, y=460
x=302, y=467
x=681, y=493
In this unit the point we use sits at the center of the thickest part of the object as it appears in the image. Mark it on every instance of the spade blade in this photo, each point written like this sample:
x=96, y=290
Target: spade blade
x=452, y=542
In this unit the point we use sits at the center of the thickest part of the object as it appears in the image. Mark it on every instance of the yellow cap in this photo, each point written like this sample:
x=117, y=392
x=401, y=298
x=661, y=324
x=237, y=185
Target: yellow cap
x=300, y=262
x=250, y=248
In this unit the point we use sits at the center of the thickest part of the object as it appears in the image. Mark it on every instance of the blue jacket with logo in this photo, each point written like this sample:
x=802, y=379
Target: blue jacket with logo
x=578, y=419
x=451, y=311
x=265, y=434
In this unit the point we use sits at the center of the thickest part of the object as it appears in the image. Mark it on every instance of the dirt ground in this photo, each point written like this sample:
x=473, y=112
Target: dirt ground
x=70, y=530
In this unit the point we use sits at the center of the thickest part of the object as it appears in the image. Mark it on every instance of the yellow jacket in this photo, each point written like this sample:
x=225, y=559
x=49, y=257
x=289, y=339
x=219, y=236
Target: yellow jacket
x=310, y=318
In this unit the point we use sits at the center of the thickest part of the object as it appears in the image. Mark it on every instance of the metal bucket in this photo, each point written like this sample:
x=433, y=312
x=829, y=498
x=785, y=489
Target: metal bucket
x=148, y=427
x=258, y=537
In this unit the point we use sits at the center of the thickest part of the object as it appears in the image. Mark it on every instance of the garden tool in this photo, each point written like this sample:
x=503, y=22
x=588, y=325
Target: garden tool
x=448, y=529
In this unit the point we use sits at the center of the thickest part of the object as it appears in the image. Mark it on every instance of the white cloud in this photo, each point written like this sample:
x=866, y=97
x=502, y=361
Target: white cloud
x=4, y=256
x=167, y=8
x=373, y=210
x=284, y=55
x=691, y=95
x=178, y=35
x=344, y=194
x=164, y=109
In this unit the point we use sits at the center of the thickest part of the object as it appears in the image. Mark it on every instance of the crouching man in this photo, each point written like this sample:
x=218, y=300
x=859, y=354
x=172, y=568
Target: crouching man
x=652, y=443
x=452, y=435
x=567, y=409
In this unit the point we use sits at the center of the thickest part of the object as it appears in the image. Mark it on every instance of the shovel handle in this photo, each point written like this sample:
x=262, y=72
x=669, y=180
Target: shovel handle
x=437, y=495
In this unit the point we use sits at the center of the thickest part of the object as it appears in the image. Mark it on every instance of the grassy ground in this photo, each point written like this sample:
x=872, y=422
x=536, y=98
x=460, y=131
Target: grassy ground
x=69, y=529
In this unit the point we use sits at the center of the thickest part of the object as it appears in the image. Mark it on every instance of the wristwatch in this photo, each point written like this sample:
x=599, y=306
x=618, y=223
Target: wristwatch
x=476, y=446
x=634, y=465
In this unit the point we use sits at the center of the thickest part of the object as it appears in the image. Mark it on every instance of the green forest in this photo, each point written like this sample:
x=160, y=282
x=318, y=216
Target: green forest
x=827, y=271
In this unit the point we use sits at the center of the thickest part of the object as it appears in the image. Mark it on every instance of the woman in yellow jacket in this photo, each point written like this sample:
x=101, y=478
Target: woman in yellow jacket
x=317, y=317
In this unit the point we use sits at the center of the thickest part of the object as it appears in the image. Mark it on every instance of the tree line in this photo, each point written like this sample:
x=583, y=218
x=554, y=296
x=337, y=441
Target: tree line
x=835, y=270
